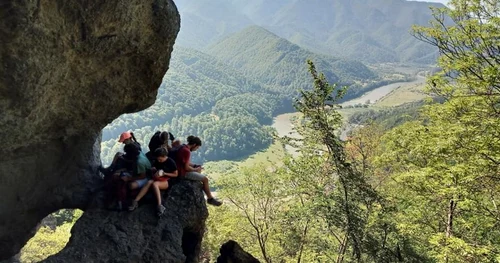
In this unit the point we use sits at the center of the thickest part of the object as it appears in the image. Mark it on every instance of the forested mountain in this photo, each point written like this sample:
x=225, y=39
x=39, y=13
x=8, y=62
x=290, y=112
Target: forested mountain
x=195, y=84
x=228, y=104
x=278, y=64
x=371, y=31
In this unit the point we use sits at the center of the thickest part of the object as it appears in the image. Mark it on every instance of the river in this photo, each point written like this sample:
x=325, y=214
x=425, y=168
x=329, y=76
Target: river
x=284, y=125
x=380, y=92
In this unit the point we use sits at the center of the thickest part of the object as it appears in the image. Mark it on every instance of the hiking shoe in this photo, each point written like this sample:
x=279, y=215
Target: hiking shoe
x=133, y=206
x=160, y=210
x=214, y=202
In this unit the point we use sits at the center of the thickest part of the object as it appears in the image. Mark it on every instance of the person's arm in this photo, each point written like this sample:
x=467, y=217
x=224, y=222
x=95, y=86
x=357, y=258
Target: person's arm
x=171, y=174
x=187, y=163
x=190, y=168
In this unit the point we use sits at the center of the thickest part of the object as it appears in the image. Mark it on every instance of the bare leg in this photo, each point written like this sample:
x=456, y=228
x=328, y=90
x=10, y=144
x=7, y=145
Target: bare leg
x=157, y=186
x=206, y=188
x=143, y=191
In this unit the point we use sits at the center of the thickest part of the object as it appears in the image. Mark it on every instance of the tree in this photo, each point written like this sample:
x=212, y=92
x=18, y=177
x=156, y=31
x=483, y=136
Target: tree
x=446, y=165
x=47, y=241
x=320, y=206
x=343, y=204
x=264, y=213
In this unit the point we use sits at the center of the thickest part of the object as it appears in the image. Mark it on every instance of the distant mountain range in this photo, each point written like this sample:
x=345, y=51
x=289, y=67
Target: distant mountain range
x=253, y=61
x=229, y=93
x=280, y=65
x=229, y=77
x=367, y=30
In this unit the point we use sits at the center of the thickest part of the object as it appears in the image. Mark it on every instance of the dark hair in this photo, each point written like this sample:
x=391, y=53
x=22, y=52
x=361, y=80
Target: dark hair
x=161, y=152
x=131, y=151
x=133, y=137
x=164, y=137
x=193, y=140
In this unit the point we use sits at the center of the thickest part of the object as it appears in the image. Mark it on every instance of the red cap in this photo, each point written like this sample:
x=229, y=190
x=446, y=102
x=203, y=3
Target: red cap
x=124, y=136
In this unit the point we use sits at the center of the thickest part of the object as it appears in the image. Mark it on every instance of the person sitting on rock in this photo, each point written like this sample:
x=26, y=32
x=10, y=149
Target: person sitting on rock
x=160, y=139
x=193, y=172
x=129, y=138
x=165, y=169
x=125, y=138
x=137, y=179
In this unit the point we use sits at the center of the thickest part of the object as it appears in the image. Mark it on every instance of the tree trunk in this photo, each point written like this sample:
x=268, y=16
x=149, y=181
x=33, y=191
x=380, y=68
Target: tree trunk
x=342, y=249
x=449, y=224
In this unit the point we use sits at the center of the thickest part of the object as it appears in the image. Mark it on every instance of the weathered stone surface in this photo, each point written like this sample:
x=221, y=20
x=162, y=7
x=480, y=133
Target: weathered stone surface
x=69, y=67
x=140, y=236
x=231, y=252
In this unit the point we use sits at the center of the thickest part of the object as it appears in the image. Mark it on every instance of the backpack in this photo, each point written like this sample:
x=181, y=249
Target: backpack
x=173, y=152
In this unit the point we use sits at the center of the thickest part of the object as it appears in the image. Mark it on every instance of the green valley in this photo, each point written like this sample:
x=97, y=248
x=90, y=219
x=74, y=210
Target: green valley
x=229, y=96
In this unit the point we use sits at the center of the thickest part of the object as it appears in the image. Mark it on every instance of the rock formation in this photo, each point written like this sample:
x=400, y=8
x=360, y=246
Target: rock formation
x=69, y=67
x=140, y=236
x=231, y=252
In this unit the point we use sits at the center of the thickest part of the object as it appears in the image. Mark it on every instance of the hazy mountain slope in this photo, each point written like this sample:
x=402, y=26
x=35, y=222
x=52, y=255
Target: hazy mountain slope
x=193, y=84
x=372, y=31
x=205, y=22
x=280, y=65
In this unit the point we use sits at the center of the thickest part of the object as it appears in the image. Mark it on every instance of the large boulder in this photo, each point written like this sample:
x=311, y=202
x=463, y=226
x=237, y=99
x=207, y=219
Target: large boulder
x=69, y=67
x=231, y=252
x=140, y=236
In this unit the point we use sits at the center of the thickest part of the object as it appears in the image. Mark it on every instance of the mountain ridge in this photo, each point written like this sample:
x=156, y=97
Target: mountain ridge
x=279, y=64
x=333, y=27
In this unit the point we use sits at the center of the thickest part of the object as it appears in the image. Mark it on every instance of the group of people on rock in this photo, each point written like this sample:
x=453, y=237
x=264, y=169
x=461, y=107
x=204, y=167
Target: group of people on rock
x=136, y=173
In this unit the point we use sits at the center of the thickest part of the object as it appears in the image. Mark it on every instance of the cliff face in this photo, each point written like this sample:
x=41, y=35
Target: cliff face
x=140, y=236
x=68, y=68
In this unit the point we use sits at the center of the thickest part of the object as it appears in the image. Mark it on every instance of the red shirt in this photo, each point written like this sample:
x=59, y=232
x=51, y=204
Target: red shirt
x=181, y=159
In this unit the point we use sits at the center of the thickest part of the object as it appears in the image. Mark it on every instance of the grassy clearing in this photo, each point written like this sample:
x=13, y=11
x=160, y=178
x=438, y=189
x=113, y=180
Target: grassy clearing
x=348, y=112
x=404, y=94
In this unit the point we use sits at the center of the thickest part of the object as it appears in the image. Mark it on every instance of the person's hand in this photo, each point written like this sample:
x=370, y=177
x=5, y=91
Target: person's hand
x=198, y=169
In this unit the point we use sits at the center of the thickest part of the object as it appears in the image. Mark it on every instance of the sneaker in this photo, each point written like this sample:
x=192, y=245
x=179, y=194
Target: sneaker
x=133, y=206
x=214, y=202
x=160, y=210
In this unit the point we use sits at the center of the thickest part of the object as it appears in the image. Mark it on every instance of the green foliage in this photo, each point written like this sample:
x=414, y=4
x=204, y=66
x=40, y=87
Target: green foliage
x=258, y=105
x=63, y=216
x=278, y=64
x=314, y=208
x=388, y=118
x=227, y=106
x=443, y=167
x=47, y=242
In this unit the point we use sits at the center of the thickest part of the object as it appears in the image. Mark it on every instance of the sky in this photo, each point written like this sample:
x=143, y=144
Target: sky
x=436, y=1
